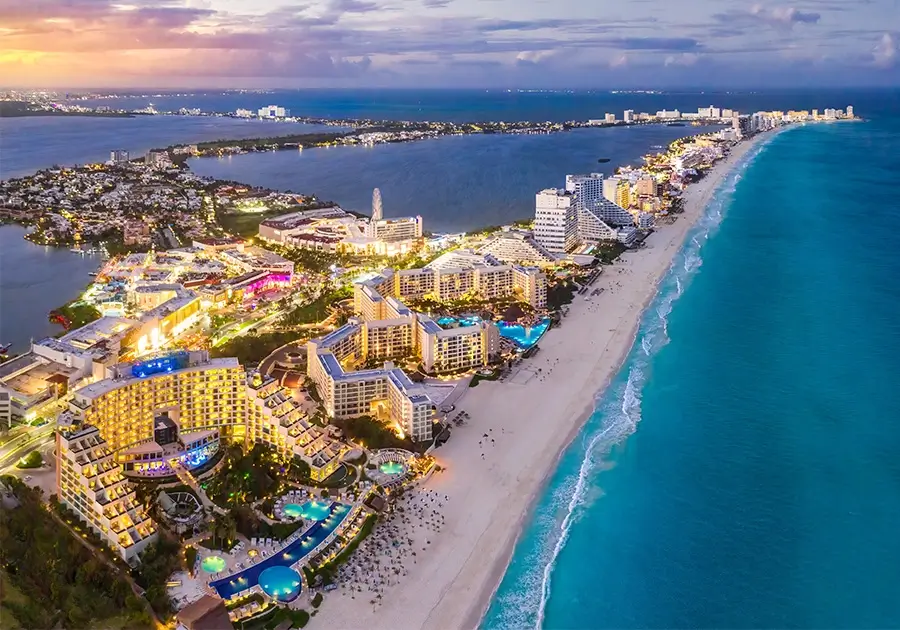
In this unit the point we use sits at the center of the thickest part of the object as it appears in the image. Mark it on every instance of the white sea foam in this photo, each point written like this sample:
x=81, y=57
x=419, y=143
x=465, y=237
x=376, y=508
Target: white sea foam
x=616, y=416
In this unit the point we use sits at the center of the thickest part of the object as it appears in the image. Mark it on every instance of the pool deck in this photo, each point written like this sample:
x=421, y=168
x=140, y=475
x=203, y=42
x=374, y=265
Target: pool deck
x=231, y=584
x=246, y=557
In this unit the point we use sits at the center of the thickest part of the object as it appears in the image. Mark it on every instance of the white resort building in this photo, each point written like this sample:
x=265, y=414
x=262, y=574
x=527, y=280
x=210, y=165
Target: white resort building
x=334, y=230
x=555, y=220
x=590, y=209
x=90, y=483
x=517, y=247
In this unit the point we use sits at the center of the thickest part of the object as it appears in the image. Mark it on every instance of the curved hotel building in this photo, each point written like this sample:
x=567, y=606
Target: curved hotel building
x=168, y=415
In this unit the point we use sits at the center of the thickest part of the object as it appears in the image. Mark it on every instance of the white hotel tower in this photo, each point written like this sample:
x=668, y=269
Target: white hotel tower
x=555, y=220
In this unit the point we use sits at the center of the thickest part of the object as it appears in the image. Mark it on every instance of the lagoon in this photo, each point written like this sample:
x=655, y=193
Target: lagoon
x=455, y=183
x=35, y=279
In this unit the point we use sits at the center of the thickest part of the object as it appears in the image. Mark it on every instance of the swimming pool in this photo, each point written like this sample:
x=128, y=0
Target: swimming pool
x=280, y=582
x=311, y=510
x=212, y=564
x=524, y=337
x=449, y=321
x=392, y=468
x=230, y=586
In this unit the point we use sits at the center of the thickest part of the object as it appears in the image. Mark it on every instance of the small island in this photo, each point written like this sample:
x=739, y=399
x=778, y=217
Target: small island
x=22, y=109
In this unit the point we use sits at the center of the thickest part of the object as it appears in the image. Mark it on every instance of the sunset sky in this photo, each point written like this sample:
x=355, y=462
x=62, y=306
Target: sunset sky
x=447, y=43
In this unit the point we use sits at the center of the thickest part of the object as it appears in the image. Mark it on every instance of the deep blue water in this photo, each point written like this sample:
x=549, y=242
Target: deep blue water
x=474, y=105
x=31, y=143
x=742, y=469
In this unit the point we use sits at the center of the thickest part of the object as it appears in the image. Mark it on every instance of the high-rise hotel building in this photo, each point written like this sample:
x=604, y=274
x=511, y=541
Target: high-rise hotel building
x=588, y=210
x=157, y=417
x=196, y=393
x=555, y=220
x=90, y=482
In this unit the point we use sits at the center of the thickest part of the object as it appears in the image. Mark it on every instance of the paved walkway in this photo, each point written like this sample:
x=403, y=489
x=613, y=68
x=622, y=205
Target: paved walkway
x=188, y=479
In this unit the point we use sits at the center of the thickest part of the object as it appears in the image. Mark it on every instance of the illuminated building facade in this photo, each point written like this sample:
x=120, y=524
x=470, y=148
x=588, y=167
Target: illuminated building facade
x=457, y=349
x=90, y=483
x=275, y=418
x=487, y=279
x=197, y=393
x=173, y=411
x=517, y=247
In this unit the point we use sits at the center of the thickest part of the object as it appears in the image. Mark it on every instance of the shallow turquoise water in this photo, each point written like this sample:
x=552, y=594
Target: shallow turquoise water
x=524, y=337
x=212, y=564
x=282, y=583
x=391, y=468
x=315, y=510
x=742, y=470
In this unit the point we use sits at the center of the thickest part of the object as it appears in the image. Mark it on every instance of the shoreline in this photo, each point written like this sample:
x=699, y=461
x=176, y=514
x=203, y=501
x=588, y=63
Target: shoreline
x=714, y=179
x=493, y=491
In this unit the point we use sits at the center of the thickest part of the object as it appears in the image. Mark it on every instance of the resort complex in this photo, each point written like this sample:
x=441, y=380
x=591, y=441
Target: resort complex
x=170, y=415
x=257, y=421
x=334, y=230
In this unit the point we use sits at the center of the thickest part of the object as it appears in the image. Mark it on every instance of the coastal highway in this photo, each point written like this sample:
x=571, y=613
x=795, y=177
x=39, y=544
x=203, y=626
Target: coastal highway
x=24, y=443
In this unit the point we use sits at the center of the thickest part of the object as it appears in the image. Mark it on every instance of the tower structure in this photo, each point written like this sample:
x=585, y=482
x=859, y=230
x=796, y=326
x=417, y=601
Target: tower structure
x=377, y=211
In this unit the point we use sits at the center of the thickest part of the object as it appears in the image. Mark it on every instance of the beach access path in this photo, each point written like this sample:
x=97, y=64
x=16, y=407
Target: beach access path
x=529, y=419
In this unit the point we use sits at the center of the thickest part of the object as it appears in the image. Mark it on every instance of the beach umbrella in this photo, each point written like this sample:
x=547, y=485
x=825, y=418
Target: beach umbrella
x=513, y=314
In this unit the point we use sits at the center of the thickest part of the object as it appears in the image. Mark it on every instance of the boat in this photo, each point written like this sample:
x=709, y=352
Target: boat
x=603, y=160
x=675, y=124
x=4, y=350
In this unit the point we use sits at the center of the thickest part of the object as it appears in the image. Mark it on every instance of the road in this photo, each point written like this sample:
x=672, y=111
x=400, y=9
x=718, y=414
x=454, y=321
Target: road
x=23, y=444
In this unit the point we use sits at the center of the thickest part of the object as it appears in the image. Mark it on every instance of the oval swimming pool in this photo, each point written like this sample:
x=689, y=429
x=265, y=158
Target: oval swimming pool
x=281, y=583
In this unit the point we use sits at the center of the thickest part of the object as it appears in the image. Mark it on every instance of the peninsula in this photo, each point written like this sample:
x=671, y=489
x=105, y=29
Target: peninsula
x=355, y=415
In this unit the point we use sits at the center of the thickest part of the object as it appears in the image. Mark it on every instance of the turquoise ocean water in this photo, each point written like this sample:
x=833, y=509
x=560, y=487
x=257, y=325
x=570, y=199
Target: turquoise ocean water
x=742, y=470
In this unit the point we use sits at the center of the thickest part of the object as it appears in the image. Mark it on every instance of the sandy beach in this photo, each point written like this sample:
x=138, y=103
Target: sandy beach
x=497, y=464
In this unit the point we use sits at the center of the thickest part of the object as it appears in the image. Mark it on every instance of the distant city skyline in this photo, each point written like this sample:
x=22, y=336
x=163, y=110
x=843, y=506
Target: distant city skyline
x=448, y=43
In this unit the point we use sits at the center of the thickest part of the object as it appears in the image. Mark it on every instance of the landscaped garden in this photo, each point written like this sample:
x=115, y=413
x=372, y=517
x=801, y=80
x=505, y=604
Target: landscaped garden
x=257, y=474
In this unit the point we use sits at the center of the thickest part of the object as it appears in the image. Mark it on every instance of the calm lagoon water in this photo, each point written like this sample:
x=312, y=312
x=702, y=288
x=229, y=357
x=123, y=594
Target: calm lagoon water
x=34, y=280
x=456, y=183
x=31, y=143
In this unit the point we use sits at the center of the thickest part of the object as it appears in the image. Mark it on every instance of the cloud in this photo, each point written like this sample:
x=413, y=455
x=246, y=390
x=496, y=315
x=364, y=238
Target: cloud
x=776, y=17
x=787, y=15
x=885, y=54
x=684, y=59
x=619, y=61
x=535, y=57
x=492, y=26
x=352, y=6
x=149, y=42
x=656, y=43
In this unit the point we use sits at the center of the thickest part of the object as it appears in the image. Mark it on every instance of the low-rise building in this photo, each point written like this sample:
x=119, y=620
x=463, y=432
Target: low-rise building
x=5, y=409
x=517, y=247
